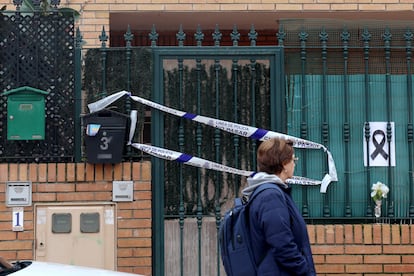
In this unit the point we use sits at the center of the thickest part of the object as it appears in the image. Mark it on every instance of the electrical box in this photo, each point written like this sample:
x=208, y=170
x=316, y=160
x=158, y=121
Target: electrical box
x=122, y=191
x=25, y=113
x=18, y=193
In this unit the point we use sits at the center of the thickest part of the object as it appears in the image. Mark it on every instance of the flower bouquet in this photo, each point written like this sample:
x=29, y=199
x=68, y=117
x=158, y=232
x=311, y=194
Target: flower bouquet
x=378, y=192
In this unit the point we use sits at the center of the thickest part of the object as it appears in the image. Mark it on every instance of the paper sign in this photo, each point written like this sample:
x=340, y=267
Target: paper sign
x=381, y=152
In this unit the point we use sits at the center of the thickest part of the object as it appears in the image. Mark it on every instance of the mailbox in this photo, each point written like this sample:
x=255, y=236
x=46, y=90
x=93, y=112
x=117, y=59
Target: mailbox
x=104, y=136
x=25, y=113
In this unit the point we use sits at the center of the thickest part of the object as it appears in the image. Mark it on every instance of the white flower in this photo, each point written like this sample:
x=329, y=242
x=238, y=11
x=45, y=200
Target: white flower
x=379, y=191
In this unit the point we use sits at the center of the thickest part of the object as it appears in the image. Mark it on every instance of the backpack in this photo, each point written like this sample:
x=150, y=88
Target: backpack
x=234, y=237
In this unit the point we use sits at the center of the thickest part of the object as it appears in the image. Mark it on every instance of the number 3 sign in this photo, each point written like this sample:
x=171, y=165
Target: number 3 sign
x=381, y=152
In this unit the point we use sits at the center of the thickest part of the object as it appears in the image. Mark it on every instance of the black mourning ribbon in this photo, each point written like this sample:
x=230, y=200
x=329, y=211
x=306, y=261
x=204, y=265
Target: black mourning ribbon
x=379, y=147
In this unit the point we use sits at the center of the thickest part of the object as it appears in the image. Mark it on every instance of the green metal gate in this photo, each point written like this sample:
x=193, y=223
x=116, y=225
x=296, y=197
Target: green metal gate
x=223, y=83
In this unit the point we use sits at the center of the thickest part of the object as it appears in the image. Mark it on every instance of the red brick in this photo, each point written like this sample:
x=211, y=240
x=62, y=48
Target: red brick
x=339, y=234
x=137, y=171
x=126, y=171
x=146, y=186
x=327, y=249
x=363, y=268
x=141, y=195
x=146, y=170
x=143, y=261
x=8, y=235
x=319, y=259
x=320, y=234
x=90, y=172
x=118, y=171
x=61, y=172
x=395, y=233
x=80, y=172
x=411, y=234
x=405, y=234
x=24, y=255
x=330, y=234
x=4, y=172
x=108, y=172
x=349, y=233
x=145, y=252
x=125, y=233
x=94, y=187
x=358, y=237
x=53, y=187
x=42, y=170
x=99, y=172
x=386, y=234
x=399, y=268
x=23, y=172
x=377, y=233
x=13, y=172
x=44, y=197
x=134, y=223
x=103, y=196
x=367, y=234
x=398, y=249
x=70, y=172
x=125, y=252
x=330, y=268
x=77, y=196
x=363, y=249
x=33, y=172
x=407, y=259
x=134, y=242
x=16, y=245
x=344, y=259
x=51, y=172
x=382, y=259
x=142, y=213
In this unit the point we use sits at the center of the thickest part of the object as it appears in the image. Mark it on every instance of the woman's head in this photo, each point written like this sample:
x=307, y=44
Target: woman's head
x=276, y=156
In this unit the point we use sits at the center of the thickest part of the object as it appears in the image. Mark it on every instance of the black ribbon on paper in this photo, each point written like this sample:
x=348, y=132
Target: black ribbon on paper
x=379, y=146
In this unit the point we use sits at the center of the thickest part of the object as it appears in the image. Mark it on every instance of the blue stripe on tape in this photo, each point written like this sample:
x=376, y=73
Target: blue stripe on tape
x=259, y=134
x=184, y=158
x=189, y=116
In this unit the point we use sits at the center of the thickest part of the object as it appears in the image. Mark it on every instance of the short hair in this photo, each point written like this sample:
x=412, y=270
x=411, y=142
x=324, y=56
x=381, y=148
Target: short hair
x=273, y=154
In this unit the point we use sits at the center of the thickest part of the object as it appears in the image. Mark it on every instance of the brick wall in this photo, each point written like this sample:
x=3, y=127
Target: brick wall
x=95, y=13
x=358, y=249
x=77, y=183
x=368, y=249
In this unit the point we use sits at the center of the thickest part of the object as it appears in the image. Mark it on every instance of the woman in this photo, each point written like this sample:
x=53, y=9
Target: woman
x=278, y=231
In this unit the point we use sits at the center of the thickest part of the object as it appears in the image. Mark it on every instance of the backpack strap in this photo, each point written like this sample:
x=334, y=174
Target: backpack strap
x=255, y=193
x=260, y=189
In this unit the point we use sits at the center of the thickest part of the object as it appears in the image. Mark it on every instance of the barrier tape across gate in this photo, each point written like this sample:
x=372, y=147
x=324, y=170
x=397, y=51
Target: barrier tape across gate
x=235, y=128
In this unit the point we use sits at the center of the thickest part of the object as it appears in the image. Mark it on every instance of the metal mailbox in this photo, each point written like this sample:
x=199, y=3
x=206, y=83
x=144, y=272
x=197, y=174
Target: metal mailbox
x=104, y=136
x=25, y=113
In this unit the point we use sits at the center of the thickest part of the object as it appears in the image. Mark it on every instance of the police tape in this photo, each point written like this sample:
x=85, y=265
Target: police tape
x=206, y=164
x=235, y=128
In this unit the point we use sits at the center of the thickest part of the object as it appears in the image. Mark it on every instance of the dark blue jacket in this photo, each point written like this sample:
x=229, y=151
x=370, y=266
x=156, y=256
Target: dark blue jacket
x=279, y=235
